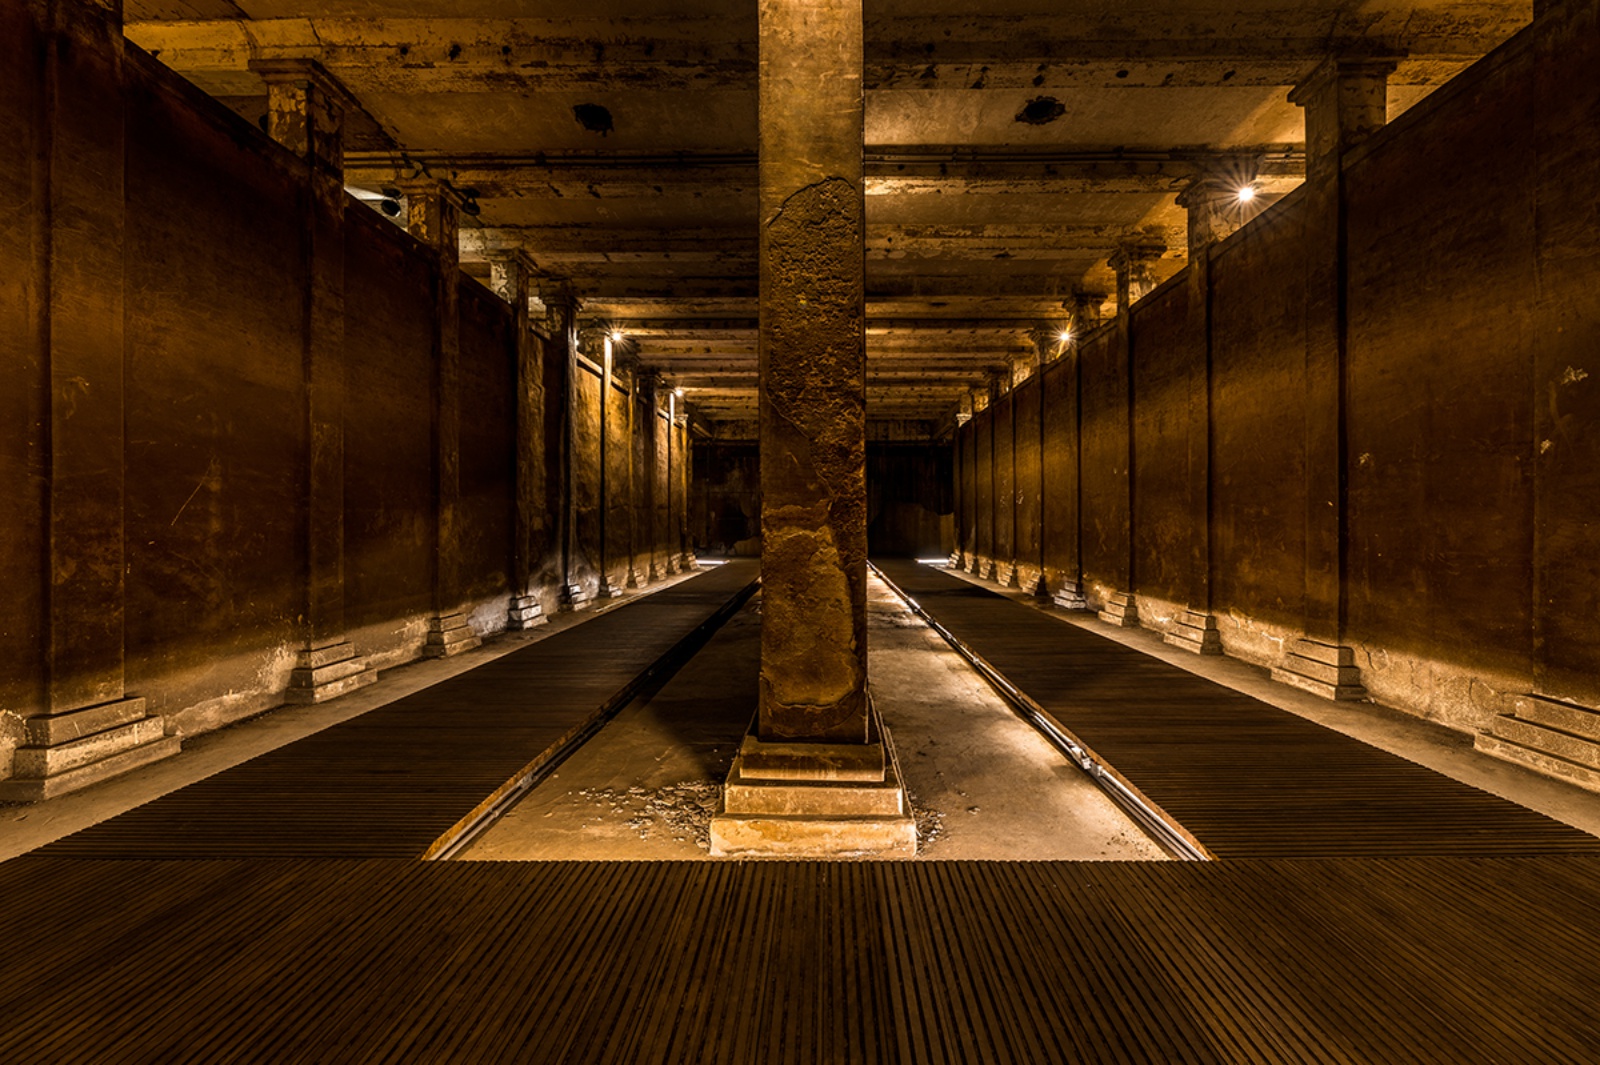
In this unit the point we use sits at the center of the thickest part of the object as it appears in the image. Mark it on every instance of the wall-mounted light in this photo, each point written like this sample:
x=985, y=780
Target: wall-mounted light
x=1065, y=336
x=1247, y=193
x=616, y=336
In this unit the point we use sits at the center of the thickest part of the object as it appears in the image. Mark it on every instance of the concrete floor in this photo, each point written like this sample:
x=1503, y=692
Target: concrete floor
x=983, y=783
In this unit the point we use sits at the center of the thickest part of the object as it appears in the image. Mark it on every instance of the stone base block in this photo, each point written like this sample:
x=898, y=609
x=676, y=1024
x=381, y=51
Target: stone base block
x=688, y=562
x=1556, y=738
x=985, y=570
x=607, y=590
x=970, y=564
x=1196, y=633
x=799, y=800
x=1030, y=579
x=1323, y=669
x=324, y=673
x=68, y=751
x=636, y=579
x=574, y=597
x=658, y=570
x=526, y=613
x=449, y=635
x=955, y=561
x=1005, y=574
x=1070, y=596
x=1121, y=610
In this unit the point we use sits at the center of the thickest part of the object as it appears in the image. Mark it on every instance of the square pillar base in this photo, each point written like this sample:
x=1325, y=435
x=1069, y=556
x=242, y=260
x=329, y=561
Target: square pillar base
x=324, y=673
x=1070, y=596
x=607, y=590
x=955, y=561
x=1559, y=739
x=1322, y=669
x=1005, y=574
x=449, y=635
x=574, y=597
x=68, y=751
x=526, y=612
x=814, y=800
x=1196, y=633
x=636, y=579
x=1122, y=610
x=985, y=569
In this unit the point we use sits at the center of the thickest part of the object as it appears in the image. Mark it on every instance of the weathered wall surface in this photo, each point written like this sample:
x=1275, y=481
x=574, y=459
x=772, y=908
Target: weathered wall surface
x=388, y=507
x=215, y=432
x=1469, y=411
x=206, y=443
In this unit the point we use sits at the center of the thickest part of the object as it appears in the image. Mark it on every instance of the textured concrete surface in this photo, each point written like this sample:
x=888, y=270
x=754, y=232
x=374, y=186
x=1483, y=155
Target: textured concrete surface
x=982, y=783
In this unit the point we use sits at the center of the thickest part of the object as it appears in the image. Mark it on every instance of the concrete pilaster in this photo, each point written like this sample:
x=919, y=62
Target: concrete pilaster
x=510, y=280
x=1345, y=102
x=433, y=218
x=649, y=385
x=638, y=576
x=306, y=110
x=86, y=726
x=1135, y=268
x=814, y=719
x=607, y=589
x=1084, y=317
x=561, y=369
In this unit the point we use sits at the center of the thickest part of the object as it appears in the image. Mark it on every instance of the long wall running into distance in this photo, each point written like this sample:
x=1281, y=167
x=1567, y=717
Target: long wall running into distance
x=157, y=455
x=1433, y=503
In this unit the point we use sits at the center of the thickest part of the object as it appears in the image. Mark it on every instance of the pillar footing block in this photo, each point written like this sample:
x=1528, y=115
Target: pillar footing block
x=323, y=673
x=985, y=569
x=1030, y=579
x=68, y=751
x=1070, y=596
x=1196, y=633
x=689, y=562
x=526, y=612
x=1005, y=574
x=607, y=590
x=636, y=579
x=1323, y=669
x=448, y=635
x=815, y=800
x=1121, y=610
x=574, y=597
x=955, y=561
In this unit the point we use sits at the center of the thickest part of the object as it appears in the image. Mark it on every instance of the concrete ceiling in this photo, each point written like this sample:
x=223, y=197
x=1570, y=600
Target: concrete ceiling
x=1009, y=153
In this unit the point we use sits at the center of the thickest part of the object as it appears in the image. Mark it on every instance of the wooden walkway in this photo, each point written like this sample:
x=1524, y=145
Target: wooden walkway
x=403, y=780
x=1400, y=961
x=1241, y=778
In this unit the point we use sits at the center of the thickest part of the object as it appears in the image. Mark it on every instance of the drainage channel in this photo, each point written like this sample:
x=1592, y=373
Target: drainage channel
x=1159, y=825
x=461, y=835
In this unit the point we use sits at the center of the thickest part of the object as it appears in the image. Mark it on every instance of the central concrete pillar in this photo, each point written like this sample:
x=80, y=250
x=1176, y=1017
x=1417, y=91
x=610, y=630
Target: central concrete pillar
x=815, y=776
x=1084, y=308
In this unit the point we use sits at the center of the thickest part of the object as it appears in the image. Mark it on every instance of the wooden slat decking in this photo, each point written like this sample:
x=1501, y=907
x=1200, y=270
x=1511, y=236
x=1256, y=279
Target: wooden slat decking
x=394, y=781
x=1400, y=961
x=1245, y=779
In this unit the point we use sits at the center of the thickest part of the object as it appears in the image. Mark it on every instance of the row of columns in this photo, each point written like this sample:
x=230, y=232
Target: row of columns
x=1345, y=102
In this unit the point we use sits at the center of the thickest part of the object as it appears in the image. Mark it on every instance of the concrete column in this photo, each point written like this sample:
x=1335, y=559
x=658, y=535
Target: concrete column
x=989, y=561
x=561, y=369
x=682, y=430
x=963, y=417
x=814, y=726
x=1049, y=343
x=1134, y=280
x=1212, y=200
x=972, y=562
x=1215, y=212
x=433, y=217
x=1135, y=268
x=638, y=576
x=1005, y=537
x=649, y=385
x=1345, y=101
x=1084, y=308
x=608, y=354
x=305, y=113
x=84, y=725
x=510, y=278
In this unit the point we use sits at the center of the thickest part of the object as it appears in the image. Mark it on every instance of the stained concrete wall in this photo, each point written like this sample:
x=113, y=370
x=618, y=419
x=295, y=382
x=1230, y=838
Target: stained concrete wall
x=197, y=548
x=1470, y=410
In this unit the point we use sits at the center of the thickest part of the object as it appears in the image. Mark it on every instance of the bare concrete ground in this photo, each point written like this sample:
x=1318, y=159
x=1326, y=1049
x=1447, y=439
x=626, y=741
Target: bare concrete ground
x=984, y=784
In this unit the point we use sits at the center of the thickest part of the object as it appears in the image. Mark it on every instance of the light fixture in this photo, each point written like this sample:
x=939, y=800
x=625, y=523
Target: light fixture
x=678, y=391
x=616, y=336
x=1247, y=193
x=1065, y=336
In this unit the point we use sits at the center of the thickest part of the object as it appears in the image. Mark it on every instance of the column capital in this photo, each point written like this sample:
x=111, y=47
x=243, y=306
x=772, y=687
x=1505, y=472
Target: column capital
x=1337, y=68
x=306, y=109
x=1135, y=279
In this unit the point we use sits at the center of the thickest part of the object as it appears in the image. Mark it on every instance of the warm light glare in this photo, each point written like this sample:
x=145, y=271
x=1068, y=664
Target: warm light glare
x=678, y=392
x=1065, y=336
x=616, y=336
x=1247, y=194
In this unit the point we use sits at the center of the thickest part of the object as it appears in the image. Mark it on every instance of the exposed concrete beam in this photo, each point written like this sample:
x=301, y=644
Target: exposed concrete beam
x=1272, y=46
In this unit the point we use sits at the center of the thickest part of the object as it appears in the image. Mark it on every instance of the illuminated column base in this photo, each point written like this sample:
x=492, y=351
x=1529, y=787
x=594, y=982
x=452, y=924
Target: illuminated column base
x=815, y=800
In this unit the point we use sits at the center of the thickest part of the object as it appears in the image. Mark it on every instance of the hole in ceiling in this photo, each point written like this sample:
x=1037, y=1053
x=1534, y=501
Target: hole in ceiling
x=594, y=118
x=1040, y=110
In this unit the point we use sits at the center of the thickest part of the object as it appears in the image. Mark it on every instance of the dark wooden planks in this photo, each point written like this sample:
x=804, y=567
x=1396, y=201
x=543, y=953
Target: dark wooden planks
x=395, y=780
x=1334, y=961
x=1244, y=778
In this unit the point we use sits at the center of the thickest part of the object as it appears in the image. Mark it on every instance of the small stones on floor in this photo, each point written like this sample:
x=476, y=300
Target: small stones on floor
x=680, y=812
